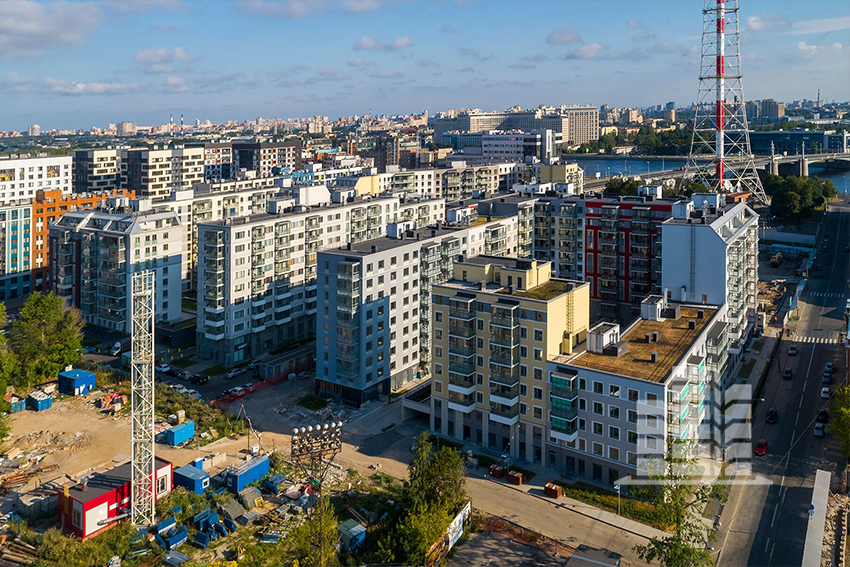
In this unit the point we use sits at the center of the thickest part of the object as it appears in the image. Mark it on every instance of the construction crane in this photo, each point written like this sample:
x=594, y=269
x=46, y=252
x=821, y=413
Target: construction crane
x=721, y=133
x=142, y=375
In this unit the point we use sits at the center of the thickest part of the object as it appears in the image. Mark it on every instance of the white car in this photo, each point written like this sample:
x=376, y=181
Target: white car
x=235, y=372
x=163, y=368
x=825, y=393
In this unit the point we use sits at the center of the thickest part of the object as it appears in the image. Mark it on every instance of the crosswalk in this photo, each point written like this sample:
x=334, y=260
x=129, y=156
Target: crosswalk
x=816, y=340
x=825, y=294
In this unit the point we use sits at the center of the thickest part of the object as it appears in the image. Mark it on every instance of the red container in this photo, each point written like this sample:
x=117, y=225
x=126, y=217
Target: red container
x=515, y=478
x=552, y=490
x=496, y=471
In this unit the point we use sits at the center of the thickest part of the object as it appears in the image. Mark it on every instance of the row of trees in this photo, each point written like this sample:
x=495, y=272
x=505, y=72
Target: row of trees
x=45, y=339
x=622, y=186
x=647, y=141
x=795, y=198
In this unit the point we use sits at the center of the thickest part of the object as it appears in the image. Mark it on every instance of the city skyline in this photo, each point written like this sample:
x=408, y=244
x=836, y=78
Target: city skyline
x=78, y=64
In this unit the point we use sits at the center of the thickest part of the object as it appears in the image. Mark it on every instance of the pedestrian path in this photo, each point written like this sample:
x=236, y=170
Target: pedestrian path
x=825, y=294
x=816, y=340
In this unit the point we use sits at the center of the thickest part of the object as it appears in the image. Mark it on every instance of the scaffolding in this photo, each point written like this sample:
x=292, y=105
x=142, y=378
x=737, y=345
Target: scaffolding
x=142, y=373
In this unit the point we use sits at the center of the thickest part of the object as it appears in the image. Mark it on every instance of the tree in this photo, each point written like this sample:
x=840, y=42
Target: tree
x=840, y=426
x=8, y=358
x=618, y=186
x=324, y=536
x=46, y=338
x=680, y=498
x=417, y=486
x=421, y=528
x=447, y=480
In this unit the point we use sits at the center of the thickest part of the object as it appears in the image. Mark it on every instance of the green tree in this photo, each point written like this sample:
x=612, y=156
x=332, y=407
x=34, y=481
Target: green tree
x=46, y=338
x=8, y=358
x=681, y=498
x=421, y=528
x=620, y=186
x=324, y=536
x=416, y=488
x=447, y=480
x=840, y=426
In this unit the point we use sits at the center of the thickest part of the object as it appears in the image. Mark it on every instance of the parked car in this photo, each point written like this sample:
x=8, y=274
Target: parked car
x=829, y=368
x=173, y=371
x=825, y=393
x=761, y=448
x=819, y=430
x=827, y=378
x=116, y=349
x=823, y=416
x=787, y=373
x=792, y=350
x=235, y=372
x=165, y=368
x=256, y=373
x=199, y=379
x=253, y=364
x=772, y=416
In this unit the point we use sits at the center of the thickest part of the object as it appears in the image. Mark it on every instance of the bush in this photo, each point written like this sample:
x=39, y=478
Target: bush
x=312, y=402
x=637, y=510
x=206, y=417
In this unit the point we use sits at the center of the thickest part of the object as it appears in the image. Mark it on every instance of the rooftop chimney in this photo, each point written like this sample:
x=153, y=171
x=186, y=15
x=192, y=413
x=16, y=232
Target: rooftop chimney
x=655, y=337
x=648, y=337
x=653, y=357
x=700, y=314
x=692, y=325
x=374, y=248
x=84, y=483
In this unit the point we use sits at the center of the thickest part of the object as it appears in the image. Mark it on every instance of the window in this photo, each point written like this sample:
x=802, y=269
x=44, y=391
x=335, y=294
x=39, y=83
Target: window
x=597, y=387
x=438, y=369
x=582, y=444
x=161, y=484
x=631, y=416
x=538, y=393
x=538, y=354
x=438, y=386
x=597, y=428
x=598, y=408
x=651, y=442
x=523, y=390
x=582, y=424
x=438, y=317
x=652, y=399
x=613, y=453
x=538, y=412
x=582, y=404
x=632, y=437
x=613, y=412
x=77, y=517
x=582, y=384
x=614, y=391
x=522, y=408
x=633, y=395
x=479, y=397
x=538, y=335
x=538, y=374
x=613, y=432
x=652, y=421
x=598, y=449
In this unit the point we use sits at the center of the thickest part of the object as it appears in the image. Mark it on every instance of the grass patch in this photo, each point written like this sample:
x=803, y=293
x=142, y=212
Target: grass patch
x=746, y=369
x=438, y=442
x=485, y=461
x=91, y=342
x=312, y=402
x=636, y=510
x=216, y=370
x=205, y=416
x=190, y=304
x=183, y=362
x=758, y=345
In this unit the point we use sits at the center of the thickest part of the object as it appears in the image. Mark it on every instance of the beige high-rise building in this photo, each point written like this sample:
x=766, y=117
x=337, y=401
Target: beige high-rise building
x=155, y=173
x=495, y=325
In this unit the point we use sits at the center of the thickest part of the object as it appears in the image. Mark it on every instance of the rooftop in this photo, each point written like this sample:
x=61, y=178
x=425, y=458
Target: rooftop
x=674, y=339
x=386, y=243
x=107, y=481
x=544, y=292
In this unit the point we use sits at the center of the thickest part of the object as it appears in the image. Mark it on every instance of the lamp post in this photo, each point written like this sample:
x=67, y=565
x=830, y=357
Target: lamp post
x=617, y=486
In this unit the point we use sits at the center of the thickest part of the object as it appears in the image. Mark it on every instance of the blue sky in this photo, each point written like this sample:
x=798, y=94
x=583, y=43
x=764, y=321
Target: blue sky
x=70, y=64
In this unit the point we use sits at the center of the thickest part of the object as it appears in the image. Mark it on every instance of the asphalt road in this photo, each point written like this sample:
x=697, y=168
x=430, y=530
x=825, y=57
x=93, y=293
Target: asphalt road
x=769, y=527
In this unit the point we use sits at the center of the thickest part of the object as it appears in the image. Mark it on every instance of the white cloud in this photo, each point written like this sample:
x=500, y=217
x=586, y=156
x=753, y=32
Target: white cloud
x=768, y=21
x=28, y=28
x=563, y=36
x=387, y=74
x=138, y=6
x=634, y=24
x=589, y=51
x=368, y=43
x=360, y=6
x=475, y=54
x=814, y=51
x=825, y=25
x=358, y=62
x=49, y=85
x=160, y=60
x=176, y=84
x=304, y=8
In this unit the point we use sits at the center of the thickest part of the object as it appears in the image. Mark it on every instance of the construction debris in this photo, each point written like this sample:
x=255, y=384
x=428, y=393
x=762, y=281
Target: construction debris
x=18, y=552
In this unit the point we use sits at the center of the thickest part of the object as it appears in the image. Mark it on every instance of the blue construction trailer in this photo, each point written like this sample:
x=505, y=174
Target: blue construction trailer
x=192, y=478
x=76, y=382
x=238, y=477
x=180, y=433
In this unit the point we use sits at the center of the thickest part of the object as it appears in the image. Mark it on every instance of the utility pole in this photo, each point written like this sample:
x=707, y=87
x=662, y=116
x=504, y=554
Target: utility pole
x=721, y=132
x=142, y=395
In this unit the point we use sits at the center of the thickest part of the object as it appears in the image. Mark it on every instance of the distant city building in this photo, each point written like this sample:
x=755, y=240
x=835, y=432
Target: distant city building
x=670, y=115
x=769, y=108
x=34, y=130
x=127, y=129
x=497, y=322
x=516, y=146
x=22, y=176
x=95, y=254
x=579, y=124
x=266, y=157
x=218, y=160
x=798, y=141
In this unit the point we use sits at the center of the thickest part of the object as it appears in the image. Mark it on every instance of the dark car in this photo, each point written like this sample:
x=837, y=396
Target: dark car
x=823, y=416
x=772, y=416
x=827, y=378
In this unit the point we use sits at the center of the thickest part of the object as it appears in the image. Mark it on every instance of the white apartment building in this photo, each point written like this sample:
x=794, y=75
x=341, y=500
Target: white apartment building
x=374, y=302
x=257, y=274
x=22, y=175
x=710, y=256
x=630, y=391
x=95, y=253
x=155, y=173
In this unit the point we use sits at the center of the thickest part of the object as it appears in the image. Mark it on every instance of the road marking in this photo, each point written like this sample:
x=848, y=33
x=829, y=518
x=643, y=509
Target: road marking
x=775, y=510
x=766, y=545
x=801, y=400
x=796, y=420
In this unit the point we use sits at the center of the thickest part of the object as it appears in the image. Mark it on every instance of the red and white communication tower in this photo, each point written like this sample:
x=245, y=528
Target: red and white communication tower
x=720, y=124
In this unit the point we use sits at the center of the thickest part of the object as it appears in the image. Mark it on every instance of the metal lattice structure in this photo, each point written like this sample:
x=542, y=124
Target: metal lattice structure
x=720, y=124
x=142, y=374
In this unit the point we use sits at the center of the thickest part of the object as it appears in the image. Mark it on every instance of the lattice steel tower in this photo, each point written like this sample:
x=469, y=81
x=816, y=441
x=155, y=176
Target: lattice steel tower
x=142, y=356
x=720, y=124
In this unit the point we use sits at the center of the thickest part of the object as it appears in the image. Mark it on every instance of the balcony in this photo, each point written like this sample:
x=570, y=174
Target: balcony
x=504, y=337
x=506, y=376
x=464, y=314
x=504, y=356
x=504, y=318
x=462, y=403
x=504, y=414
x=460, y=384
x=563, y=429
x=505, y=395
x=461, y=330
x=461, y=366
x=461, y=349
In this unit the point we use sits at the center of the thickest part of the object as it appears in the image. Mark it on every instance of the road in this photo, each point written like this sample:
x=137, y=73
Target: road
x=769, y=524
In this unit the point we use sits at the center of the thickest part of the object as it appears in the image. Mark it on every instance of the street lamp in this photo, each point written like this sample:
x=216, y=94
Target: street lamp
x=617, y=486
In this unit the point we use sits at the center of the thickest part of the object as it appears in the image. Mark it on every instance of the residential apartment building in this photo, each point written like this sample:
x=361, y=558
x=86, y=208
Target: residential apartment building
x=15, y=249
x=97, y=170
x=710, y=256
x=218, y=160
x=95, y=253
x=257, y=274
x=578, y=124
x=612, y=407
x=155, y=173
x=266, y=158
x=377, y=295
x=496, y=324
x=21, y=176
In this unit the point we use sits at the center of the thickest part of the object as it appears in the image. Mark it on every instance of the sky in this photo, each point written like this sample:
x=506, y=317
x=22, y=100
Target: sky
x=76, y=64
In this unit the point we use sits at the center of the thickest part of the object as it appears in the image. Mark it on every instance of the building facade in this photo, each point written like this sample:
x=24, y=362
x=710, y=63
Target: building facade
x=97, y=170
x=267, y=157
x=496, y=324
x=22, y=176
x=154, y=174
